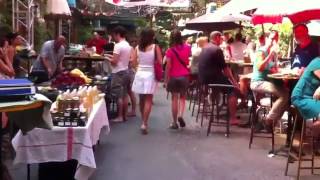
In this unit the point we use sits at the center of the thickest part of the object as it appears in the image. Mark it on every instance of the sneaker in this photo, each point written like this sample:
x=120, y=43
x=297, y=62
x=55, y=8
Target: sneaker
x=144, y=130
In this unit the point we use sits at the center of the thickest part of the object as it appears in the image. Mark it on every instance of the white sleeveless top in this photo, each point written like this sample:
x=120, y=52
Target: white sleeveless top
x=144, y=80
x=146, y=59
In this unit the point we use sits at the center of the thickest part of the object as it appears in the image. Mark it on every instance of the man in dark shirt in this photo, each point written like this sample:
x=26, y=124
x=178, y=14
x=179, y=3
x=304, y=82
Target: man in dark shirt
x=306, y=50
x=213, y=70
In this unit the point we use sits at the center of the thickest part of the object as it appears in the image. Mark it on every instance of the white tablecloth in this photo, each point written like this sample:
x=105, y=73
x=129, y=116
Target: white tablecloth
x=64, y=143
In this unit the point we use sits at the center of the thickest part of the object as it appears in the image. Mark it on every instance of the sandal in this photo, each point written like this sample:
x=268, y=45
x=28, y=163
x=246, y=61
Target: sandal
x=181, y=122
x=174, y=125
x=144, y=130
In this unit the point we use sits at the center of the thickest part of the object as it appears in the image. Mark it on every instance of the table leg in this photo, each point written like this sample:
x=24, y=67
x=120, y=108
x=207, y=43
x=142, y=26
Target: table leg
x=289, y=129
x=1, y=168
x=28, y=172
x=88, y=66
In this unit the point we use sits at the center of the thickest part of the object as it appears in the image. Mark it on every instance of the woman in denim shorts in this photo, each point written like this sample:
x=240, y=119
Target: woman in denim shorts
x=177, y=76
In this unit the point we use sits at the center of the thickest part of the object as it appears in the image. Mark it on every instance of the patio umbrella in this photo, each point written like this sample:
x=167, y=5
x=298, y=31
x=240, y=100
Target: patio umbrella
x=314, y=27
x=58, y=7
x=240, y=6
x=57, y=10
x=297, y=11
x=216, y=21
x=187, y=32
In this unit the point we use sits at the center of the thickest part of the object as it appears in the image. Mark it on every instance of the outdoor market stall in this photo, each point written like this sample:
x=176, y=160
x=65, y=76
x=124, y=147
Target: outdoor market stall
x=64, y=143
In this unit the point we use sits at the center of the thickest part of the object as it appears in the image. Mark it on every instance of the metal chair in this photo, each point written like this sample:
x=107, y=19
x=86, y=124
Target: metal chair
x=260, y=108
x=216, y=90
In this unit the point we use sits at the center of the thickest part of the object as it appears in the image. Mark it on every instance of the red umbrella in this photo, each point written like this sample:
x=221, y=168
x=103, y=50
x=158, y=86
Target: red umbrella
x=297, y=11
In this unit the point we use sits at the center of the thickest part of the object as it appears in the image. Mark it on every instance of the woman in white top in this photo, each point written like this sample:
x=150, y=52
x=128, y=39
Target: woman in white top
x=144, y=83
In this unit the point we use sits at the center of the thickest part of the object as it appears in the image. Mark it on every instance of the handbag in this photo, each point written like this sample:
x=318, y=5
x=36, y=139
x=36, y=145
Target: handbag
x=157, y=66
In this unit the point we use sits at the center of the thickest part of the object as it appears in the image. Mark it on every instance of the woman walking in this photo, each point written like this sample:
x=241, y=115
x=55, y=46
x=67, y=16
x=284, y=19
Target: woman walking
x=144, y=83
x=176, y=76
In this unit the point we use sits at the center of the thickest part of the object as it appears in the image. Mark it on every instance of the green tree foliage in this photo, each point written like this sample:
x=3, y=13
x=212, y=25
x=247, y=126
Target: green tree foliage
x=285, y=34
x=5, y=17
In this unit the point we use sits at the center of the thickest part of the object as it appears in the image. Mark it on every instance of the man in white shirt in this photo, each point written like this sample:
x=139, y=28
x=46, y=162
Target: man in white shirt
x=120, y=83
x=237, y=48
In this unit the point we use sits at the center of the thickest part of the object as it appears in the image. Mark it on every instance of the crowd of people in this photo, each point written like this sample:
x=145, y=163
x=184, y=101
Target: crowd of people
x=132, y=68
x=205, y=62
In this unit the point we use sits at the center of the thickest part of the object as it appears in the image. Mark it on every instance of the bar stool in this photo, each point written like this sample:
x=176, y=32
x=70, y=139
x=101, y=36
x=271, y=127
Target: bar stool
x=204, y=107
x=303, y=136
x=196, y=97
x=216, y=90
x=192, y=94
x=259, y=105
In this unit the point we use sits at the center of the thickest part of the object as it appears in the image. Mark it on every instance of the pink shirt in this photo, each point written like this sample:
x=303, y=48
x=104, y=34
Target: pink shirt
x=177, y=69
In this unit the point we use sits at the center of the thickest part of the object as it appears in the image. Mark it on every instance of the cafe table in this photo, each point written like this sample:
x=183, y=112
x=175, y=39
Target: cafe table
x=61, y=144
x=240, y=63
x=289, y=80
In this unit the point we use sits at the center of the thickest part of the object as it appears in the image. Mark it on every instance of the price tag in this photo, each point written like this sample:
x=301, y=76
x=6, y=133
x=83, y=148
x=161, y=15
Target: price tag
x=74, y=124
x=61, y=124
x=67, y=123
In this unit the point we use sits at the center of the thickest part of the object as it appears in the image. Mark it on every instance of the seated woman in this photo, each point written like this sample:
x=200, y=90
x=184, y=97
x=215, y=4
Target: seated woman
x=306, y=94
x=15, y=41
x=263, y=65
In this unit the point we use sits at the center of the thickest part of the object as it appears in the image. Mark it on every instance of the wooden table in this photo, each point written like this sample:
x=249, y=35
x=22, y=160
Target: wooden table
x=13, y=107
x=239, y=63
x=87, y=60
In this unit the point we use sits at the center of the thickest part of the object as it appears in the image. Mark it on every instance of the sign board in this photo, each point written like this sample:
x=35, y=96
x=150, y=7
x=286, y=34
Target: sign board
x=160, y=3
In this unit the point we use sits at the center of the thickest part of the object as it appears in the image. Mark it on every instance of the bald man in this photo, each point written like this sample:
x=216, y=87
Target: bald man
x=49, y=61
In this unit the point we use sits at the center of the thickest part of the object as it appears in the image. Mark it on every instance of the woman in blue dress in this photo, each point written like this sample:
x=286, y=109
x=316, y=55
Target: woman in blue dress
x=306, y=94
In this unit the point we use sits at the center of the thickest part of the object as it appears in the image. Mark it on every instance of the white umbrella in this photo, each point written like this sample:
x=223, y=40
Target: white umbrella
x=240, y=6
x=159, y=3
x=186, y=32
x=58, y=7
x=216, y=21
x=314, y=27
x=219, y=17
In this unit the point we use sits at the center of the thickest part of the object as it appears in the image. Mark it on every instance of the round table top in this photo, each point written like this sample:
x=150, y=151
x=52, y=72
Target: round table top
x=283, y=76
x=239, y=63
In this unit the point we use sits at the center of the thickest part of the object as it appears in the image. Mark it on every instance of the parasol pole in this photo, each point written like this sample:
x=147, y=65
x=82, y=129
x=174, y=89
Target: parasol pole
x=59, y=26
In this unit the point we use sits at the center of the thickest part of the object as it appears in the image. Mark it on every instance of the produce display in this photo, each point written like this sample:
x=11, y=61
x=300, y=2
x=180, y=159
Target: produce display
x=74, y=78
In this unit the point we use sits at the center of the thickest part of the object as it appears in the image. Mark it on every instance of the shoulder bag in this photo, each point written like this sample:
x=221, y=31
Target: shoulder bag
x=180, y=60
x=157, y=66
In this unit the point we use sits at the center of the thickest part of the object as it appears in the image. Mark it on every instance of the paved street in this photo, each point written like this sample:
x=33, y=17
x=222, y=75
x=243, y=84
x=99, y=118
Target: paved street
x=186, y=154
